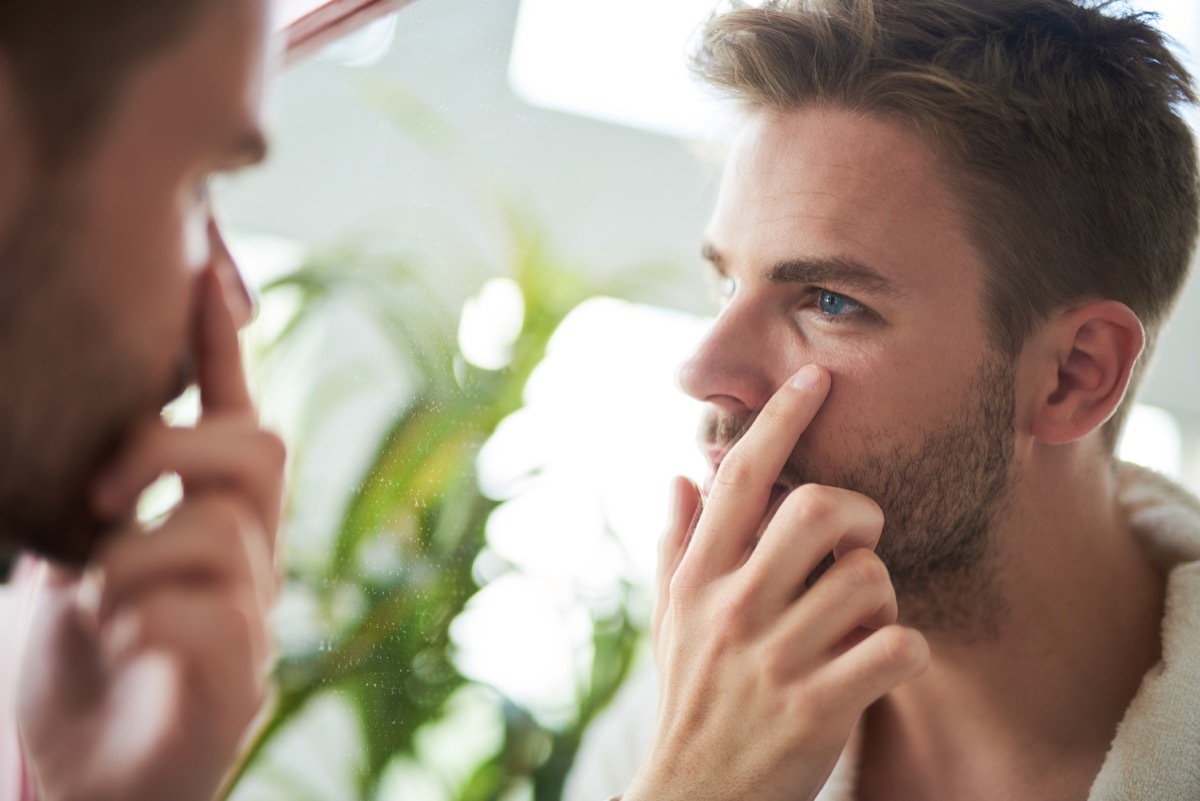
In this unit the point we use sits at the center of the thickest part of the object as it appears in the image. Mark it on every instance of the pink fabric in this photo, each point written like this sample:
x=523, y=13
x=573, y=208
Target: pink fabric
x=15, y=597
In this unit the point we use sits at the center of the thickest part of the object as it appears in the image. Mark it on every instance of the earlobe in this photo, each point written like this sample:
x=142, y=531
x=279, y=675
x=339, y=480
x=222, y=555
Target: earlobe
x=1091, y=351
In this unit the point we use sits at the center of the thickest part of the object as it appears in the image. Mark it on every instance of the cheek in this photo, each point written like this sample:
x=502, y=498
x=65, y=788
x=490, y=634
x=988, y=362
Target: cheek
x=143, y=280
x=870, y=398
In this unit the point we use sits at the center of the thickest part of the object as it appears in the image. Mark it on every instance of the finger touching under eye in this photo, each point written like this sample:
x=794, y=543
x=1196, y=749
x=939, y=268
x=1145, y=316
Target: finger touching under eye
x=741, y=490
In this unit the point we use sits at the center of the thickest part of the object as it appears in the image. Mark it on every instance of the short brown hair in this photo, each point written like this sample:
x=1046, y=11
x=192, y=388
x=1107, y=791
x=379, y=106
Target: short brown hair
x=70, y=59
x=1060, y=122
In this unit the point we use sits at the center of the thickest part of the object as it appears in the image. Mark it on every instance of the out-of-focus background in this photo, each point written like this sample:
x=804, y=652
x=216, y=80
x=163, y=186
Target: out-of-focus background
x=475, y=247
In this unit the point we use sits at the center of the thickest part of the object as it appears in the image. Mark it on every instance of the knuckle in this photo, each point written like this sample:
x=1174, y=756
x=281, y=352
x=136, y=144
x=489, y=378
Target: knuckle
x=814, y=503
x=226, y=519
x=866, y=568
x=273, y=448
x=737, y=610
x=902, y=648
x=683, y=586
x=241, y=621
x=736, y=471
x=736, y=613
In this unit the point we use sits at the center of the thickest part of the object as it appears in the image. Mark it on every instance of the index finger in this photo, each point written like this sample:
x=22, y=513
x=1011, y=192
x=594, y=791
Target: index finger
x=735, y=507
x=221, y=374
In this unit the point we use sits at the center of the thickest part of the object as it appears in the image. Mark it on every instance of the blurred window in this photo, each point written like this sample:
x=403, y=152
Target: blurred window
x=562, y=58
x=1153, y=438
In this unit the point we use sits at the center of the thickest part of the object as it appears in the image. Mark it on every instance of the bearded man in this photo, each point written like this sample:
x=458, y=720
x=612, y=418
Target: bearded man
x=946, y=233
x=136, y=657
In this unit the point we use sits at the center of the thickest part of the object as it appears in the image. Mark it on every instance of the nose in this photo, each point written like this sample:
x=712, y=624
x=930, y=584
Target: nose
x=735, y=366
x=237, y=294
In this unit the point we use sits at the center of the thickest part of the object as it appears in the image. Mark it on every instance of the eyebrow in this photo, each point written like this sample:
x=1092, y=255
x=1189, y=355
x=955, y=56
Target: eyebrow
x=839, y=271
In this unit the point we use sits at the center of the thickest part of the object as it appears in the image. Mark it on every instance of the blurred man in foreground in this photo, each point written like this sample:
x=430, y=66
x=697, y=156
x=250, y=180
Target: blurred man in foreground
x=136, y=658
x=946, y=231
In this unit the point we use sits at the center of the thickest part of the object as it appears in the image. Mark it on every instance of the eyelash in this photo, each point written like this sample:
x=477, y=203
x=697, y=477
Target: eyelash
x=856, y=313
x=725, y=286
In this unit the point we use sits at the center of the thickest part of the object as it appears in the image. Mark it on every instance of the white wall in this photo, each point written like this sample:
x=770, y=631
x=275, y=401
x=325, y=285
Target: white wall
x=612, y=197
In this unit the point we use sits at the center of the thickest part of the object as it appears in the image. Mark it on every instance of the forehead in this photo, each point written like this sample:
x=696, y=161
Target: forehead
x=204, y=90
x=832, y=183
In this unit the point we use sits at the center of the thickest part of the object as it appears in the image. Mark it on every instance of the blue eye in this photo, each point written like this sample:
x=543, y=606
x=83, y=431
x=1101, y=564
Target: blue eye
x=836, y=305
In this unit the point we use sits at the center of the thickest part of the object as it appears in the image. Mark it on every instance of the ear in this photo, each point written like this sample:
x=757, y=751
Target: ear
x=1083, y=362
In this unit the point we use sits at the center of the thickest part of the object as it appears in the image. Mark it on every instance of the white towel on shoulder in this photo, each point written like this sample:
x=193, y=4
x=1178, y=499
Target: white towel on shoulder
x=1155, y=755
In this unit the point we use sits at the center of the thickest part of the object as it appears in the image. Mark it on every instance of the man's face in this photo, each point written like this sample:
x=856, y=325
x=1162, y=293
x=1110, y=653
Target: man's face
x=836, y=241
x=100, y=269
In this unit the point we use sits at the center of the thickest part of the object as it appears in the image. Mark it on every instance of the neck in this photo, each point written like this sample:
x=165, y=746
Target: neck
x=1041, y=695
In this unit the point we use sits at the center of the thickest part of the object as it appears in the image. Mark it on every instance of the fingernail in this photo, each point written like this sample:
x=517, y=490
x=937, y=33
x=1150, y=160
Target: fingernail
x=807, y=377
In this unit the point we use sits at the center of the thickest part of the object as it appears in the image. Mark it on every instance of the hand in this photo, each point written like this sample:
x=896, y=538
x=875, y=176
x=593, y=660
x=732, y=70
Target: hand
x=141, y=676
x=762, y=681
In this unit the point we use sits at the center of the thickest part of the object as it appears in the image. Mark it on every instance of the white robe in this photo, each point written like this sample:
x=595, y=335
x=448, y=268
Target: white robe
x=1155, y=754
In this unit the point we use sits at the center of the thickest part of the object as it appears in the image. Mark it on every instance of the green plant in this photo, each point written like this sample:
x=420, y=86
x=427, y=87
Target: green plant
x=419, y=508
x=400, y=566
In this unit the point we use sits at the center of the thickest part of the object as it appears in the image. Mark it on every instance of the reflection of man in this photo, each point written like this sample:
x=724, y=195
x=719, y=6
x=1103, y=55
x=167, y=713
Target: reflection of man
x=971, y=217
x=138, y=677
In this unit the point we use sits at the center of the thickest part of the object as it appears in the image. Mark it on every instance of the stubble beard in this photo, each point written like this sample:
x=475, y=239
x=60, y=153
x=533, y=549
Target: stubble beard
x=68, y=392
x=942, y=494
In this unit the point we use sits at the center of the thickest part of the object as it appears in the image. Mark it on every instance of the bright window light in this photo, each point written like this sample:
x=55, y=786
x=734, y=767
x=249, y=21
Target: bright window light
x=288, y=11
x=490, y=324
x=365, y=47
x=584, y=469
x=623, y=61
x=1153, y=438
x=1180, y=19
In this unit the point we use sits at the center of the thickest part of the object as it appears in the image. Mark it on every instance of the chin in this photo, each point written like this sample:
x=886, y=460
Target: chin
x=48, y=512
x=71, y=536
